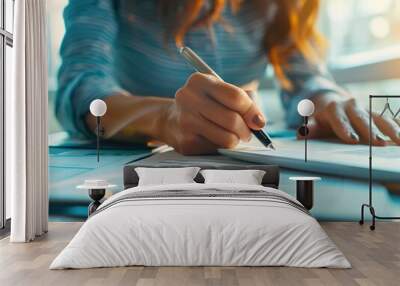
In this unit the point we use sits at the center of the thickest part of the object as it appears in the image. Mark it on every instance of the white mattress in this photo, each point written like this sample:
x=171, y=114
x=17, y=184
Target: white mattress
x=189, y=231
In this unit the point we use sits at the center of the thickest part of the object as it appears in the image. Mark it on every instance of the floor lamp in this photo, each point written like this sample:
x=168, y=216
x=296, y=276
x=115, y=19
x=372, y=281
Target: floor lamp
x=370, y=203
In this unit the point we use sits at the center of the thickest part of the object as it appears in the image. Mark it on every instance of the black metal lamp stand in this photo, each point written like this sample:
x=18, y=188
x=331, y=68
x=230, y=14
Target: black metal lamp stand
x=305, y=137
x=370, y=205
x=303, y=131
x=99, y=134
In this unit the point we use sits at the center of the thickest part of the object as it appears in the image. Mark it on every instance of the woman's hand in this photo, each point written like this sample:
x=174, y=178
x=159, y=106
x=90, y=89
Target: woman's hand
x=207, y=114
x=346, y=119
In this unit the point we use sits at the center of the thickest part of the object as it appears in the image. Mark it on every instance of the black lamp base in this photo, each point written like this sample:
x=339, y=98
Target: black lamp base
x=96, y=195
x=305, y=193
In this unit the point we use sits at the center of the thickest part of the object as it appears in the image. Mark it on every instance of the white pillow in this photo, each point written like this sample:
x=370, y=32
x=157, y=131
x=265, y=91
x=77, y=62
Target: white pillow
x=247, y=177
x=165, y=176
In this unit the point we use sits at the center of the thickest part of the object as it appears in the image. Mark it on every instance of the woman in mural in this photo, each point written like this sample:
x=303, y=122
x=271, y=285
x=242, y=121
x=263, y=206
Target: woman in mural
x=125, y=52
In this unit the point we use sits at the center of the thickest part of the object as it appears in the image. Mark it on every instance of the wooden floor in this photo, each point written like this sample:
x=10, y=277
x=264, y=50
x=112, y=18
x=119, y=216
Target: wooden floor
x=375, y=257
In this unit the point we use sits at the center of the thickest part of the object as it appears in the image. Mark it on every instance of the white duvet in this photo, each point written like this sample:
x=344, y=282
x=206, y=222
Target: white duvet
x=206, y=230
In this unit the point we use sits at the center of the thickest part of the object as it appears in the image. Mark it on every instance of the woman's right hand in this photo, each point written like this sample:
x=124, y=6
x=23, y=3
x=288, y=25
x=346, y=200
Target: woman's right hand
x=207, y=114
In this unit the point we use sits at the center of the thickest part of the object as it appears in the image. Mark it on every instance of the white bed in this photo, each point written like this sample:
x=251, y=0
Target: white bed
x=201, y=224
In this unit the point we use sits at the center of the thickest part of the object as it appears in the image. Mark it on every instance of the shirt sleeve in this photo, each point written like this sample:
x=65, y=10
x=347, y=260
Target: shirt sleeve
x=86, y=72
x=307, y=79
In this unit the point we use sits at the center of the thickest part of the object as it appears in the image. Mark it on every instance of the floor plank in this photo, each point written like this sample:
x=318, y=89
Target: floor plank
x=375, y=257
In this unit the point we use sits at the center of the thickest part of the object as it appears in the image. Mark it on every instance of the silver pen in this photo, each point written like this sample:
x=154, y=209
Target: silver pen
x=199, y=65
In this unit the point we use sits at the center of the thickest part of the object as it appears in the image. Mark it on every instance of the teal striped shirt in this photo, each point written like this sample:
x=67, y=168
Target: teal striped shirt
x=118, y=45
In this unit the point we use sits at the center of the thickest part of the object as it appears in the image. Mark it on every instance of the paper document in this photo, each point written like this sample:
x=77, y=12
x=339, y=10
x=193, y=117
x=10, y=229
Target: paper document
x=324, y=157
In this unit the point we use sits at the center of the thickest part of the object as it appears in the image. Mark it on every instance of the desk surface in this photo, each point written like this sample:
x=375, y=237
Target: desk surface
x=69, y=167
x=335, y=199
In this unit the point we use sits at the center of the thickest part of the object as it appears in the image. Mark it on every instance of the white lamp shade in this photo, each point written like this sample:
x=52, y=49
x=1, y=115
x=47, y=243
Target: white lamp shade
x=305, y=107
x=98, y=107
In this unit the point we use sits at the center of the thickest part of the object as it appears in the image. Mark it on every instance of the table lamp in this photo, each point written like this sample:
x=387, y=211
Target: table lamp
x=305, y=108
x=98, y=108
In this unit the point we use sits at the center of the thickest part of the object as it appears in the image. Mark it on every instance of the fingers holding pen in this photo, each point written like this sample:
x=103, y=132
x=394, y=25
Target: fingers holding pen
x=230, y=96
x=218, y=113
x=213, y=111
x=208, y=130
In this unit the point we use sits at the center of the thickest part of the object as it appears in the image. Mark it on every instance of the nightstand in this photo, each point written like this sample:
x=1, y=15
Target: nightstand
x=305, y=190
x=96, y=195
x=96, y=190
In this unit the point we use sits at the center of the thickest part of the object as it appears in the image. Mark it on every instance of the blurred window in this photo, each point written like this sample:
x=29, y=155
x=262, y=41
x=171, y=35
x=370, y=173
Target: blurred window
x=354, y=26
x=364, y=45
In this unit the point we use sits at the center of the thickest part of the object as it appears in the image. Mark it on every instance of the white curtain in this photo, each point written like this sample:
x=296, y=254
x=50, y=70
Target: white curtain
x=26, y=121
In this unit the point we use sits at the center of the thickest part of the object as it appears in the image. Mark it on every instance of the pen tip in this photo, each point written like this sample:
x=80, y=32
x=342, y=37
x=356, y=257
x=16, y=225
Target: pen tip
x=272, y=147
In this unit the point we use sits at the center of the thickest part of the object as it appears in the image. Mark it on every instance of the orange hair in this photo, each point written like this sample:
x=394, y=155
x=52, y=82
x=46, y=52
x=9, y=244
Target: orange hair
x=294, y=26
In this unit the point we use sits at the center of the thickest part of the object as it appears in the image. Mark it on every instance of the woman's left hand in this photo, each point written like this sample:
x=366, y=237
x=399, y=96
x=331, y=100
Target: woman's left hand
x=343, y=117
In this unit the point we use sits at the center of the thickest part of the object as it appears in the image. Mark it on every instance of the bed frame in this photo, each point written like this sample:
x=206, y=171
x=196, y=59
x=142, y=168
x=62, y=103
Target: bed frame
x=270, y=179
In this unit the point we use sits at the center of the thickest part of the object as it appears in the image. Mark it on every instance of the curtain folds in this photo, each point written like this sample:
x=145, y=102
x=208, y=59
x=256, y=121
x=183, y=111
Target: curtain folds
x=26, y=120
